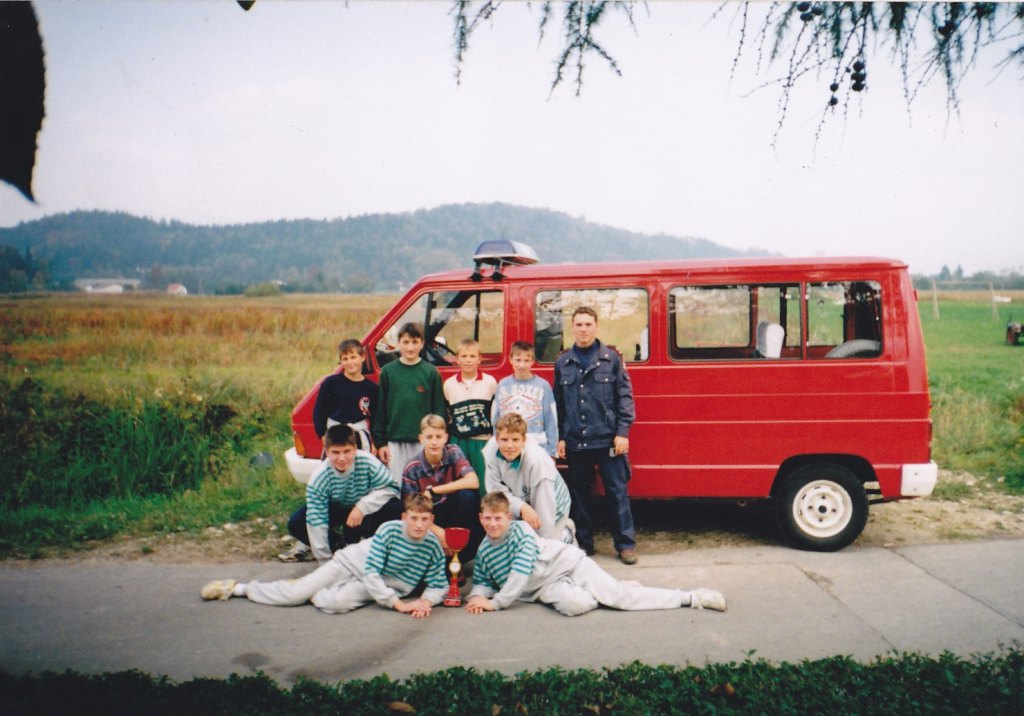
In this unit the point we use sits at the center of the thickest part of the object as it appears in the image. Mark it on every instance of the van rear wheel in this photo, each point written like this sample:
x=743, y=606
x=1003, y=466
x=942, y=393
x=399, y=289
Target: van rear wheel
x=822, y=507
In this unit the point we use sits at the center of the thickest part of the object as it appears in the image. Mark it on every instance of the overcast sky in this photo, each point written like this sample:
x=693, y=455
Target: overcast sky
x=204, y=113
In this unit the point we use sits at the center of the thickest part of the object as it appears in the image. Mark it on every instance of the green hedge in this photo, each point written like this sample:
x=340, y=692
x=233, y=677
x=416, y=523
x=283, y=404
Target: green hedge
x=905, y=684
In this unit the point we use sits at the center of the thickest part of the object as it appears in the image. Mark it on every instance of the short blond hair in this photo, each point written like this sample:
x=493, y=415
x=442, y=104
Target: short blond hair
x=418, y=502
x=511, y=422
x=430, y=420
x=495, y=502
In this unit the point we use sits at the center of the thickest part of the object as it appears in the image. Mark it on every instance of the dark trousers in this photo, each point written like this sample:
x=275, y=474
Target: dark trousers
x=615, y=474
x=338, y=533
x=462, y=509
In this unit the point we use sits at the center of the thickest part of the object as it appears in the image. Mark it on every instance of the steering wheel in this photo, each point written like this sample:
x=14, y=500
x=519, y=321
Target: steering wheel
x=439, y=353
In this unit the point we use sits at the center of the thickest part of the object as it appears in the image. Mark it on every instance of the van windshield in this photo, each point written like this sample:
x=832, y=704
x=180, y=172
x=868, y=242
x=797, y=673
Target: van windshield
x=449, y=317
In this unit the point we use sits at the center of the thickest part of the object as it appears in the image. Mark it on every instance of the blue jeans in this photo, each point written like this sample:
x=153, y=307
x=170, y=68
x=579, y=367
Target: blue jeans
x=337, y=513
x=615, y=474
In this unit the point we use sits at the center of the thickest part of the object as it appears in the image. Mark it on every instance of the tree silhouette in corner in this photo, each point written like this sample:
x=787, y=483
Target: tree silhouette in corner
x=22, y=85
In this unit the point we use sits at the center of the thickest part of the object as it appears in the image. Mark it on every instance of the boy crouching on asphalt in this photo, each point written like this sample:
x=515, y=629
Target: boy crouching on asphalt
x=513, y=563
x=352, y=491
x=385, y=569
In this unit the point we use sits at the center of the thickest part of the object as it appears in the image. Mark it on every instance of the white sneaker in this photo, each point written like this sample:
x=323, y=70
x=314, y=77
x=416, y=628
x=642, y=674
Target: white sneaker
x=299, y=553
x=703, y=598
x=219, y=589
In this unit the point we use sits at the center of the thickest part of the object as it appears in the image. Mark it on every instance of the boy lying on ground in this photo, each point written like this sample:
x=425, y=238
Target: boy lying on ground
x=513, y=563
x=385, y=569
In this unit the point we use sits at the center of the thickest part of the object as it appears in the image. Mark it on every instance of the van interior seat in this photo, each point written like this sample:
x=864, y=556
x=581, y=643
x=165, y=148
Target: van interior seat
x=759, y=342
x=770, y=337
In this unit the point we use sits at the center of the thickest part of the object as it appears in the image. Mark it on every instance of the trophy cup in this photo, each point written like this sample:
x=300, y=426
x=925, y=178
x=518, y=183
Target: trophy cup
x=457, y=538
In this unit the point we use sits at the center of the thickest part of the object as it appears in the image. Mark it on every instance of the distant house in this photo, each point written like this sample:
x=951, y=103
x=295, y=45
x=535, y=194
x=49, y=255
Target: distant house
x=177, y=289
x=107, y=285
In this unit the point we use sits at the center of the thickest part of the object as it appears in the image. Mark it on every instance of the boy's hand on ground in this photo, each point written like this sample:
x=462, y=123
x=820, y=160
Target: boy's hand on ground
x=529, y=515
x=479, y=605
x=355, y=517
x=417, y=608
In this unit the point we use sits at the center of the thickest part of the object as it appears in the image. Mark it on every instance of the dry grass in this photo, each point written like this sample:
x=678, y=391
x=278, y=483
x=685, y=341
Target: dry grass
x=104, y=343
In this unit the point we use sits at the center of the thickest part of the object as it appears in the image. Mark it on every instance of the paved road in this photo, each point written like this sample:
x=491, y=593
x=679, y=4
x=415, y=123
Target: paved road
x=784, y=605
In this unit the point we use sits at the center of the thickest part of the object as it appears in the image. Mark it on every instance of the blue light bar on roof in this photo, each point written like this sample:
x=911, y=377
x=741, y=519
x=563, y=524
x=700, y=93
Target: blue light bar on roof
x=502, y=252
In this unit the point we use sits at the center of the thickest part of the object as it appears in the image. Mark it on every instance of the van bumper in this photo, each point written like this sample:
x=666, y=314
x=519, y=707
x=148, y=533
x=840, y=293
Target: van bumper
x=301, y=468
x=919, y=480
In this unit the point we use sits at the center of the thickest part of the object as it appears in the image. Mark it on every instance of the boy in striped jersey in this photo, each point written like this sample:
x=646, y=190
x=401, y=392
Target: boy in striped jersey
x=353, y=490
x=513, y=563
x=385, y=569
x=526, y=474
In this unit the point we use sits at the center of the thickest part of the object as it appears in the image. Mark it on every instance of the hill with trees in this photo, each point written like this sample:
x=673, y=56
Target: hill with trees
x=375, y=252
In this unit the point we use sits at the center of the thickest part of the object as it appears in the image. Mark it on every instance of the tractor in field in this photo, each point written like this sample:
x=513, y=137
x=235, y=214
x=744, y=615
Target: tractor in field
x=1013, y=331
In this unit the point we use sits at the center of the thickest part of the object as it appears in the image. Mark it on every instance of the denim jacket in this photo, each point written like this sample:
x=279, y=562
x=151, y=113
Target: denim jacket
x=594, y=405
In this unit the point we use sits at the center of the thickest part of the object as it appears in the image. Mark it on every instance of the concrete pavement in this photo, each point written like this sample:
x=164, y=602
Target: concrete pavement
x=784, y=605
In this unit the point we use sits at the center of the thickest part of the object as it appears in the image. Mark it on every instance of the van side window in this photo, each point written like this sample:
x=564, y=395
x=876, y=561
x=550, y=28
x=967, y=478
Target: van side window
x=623, y=321
x=844, y=319
x=734, y=322
x=448, y=317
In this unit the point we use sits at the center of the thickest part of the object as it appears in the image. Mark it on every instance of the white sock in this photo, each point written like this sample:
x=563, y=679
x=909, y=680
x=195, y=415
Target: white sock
x=241, y=589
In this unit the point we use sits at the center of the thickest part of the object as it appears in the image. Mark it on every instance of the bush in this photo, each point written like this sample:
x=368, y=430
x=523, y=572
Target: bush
x=907, y=684
x=257, y=290
x=64, y=450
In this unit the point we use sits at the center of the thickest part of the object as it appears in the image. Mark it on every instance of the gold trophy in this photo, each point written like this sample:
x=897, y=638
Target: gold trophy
x=457, y=538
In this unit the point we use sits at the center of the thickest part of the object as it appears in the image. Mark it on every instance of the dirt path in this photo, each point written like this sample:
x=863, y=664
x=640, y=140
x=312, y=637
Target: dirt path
x=973, y=508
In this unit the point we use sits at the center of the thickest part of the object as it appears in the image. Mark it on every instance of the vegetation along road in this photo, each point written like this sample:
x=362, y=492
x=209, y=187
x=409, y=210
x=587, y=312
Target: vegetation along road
x=130, y=428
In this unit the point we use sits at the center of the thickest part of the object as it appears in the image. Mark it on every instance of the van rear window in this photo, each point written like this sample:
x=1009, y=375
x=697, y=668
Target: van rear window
x=844, y=319
x=764, y=321
x=735, y=322
x=623, y=321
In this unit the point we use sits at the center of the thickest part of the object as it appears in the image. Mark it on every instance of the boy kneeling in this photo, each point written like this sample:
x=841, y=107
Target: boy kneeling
x=522, y=471
x=513, y=563
x=385, y=569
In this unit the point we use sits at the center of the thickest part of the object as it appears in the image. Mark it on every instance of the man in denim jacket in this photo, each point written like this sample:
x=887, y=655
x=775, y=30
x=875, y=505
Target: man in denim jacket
x=594, y=397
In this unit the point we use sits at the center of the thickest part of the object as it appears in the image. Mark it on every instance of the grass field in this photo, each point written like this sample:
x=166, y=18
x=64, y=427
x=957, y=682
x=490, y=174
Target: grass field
x=977, y=384
x=144, y=413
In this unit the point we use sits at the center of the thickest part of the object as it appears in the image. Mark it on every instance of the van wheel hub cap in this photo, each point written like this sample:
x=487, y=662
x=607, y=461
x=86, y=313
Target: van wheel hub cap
x=822, y=508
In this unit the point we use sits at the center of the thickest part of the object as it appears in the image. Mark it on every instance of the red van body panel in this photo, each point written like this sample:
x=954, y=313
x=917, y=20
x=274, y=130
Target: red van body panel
x=729, y=428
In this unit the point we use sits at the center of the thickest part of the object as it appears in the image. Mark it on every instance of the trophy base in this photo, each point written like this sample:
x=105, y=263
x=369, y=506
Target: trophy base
x=454, y=596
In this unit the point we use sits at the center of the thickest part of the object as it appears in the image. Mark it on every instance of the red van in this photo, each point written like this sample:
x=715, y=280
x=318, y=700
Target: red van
x=802, y=381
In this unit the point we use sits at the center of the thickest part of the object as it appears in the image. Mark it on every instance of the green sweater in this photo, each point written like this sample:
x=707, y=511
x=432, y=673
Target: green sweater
x=407, y=393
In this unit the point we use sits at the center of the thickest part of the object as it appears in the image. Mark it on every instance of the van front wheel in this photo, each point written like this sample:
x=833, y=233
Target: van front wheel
x=822, y=507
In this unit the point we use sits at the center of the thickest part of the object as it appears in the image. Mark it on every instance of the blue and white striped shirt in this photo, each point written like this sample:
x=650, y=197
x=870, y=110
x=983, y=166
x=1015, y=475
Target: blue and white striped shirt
x=395, y=556
x=367, y=475
x=516, y=553
x=367, y=485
